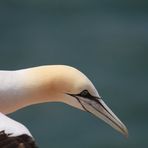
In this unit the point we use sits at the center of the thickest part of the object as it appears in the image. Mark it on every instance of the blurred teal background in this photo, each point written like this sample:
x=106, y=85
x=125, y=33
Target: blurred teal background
x=107, y=40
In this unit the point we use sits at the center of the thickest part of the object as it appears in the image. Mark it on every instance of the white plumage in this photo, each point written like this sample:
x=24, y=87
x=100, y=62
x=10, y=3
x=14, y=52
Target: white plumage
x=12, y=127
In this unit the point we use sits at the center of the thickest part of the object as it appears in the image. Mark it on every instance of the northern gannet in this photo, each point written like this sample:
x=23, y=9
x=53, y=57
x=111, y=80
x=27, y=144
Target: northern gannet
x=55, y=83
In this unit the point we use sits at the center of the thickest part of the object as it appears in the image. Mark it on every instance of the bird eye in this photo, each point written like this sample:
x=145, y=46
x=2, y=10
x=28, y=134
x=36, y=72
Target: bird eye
x=85, y=93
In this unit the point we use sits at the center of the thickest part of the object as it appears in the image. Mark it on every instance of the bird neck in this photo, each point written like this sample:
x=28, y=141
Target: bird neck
x=25, y=87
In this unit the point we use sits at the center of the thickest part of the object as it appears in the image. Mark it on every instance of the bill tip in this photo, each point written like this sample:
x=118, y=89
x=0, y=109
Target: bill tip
x=125, y=132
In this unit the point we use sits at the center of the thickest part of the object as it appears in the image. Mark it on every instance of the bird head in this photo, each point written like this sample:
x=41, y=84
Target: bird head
x=59, y=83
x=75, y=89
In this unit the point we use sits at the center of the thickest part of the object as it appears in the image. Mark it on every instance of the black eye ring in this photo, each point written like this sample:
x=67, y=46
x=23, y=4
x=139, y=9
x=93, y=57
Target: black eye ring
x=84, y=93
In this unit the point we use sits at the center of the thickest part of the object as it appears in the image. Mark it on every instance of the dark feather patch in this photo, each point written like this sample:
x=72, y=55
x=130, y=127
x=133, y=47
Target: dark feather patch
x=22, y=141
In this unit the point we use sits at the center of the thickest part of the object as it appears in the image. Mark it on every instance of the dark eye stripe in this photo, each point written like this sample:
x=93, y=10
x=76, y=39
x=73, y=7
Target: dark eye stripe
x=85, y=94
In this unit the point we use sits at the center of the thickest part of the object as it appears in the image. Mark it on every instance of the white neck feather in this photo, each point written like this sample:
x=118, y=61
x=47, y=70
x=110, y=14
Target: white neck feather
x=19, y=89
x=29, y=86
x=11, y=93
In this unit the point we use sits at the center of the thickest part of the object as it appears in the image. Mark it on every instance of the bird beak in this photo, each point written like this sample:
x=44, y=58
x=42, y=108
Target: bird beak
x=97, y=107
